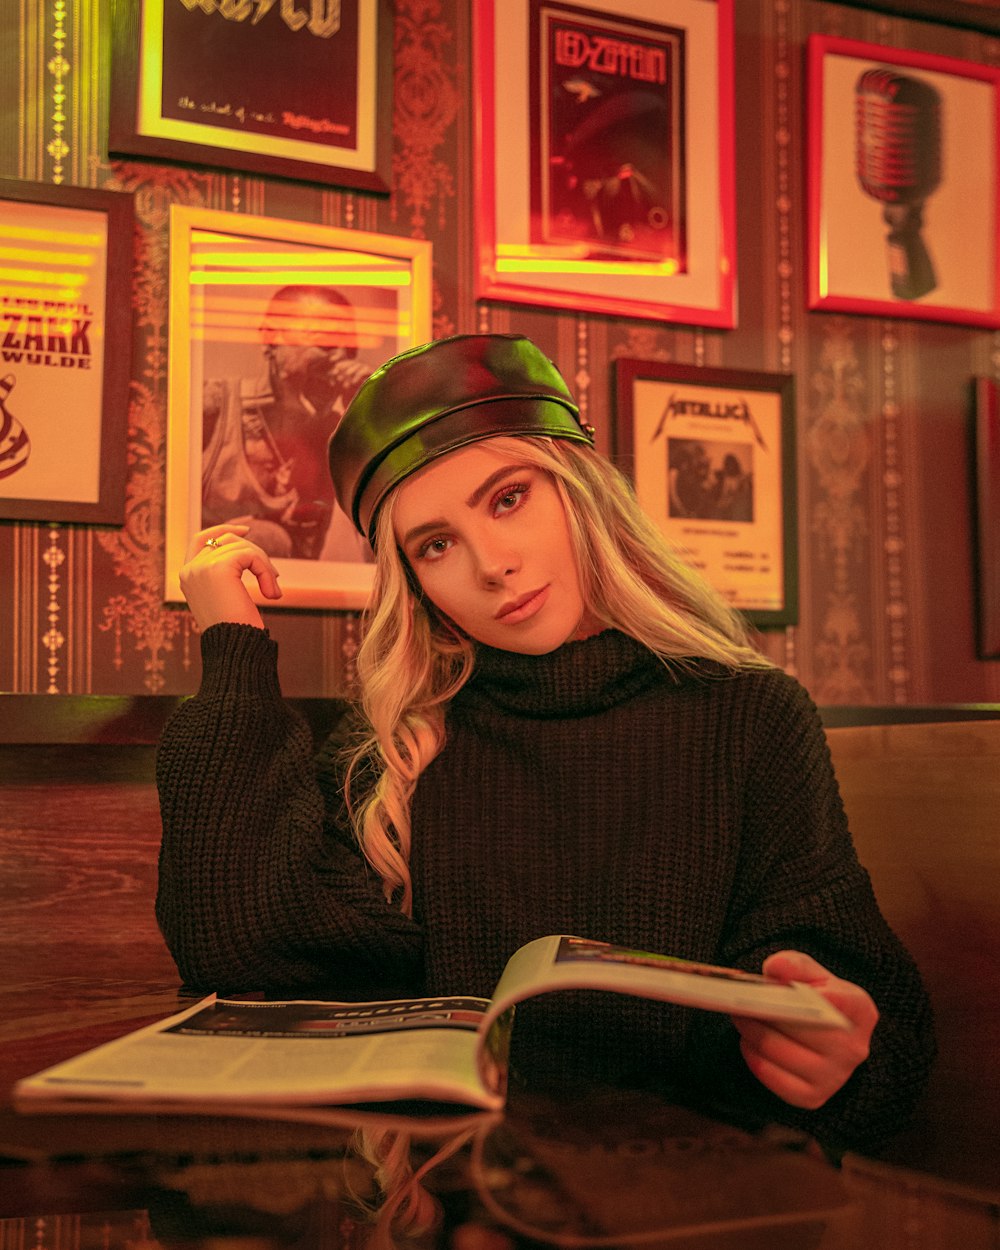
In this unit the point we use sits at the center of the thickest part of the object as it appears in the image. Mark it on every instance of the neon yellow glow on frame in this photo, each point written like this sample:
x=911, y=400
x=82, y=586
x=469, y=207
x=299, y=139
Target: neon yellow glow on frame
x=42, y=278
x=26, y=290
x=668, y=269
x=574, y=258
x=37, y=256
x=283, y=276
x=371, y=325
x=236, y=310
x=823, y=275
x=331, y=260
x=71, y=238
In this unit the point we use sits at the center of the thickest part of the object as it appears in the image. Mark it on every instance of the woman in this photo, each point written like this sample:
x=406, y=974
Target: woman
x=563, y=730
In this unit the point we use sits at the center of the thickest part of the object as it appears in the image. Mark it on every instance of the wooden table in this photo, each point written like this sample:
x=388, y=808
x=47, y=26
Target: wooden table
x=596, y=1167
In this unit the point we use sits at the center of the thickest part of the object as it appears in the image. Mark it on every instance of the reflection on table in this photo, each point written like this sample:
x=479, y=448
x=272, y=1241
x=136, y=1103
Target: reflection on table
x=595, y=1167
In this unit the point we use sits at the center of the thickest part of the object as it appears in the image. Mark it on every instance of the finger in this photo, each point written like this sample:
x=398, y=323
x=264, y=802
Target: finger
x=214, y=534
x=850, y=999
x=801, y=1050
x=226, y=558
x=796, y=1074
x=266, y=575
x=792, y=1088
x=795, y=966
x=818, y=1059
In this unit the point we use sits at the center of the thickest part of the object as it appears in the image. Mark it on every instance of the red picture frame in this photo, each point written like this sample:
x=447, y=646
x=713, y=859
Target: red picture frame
x=671, y=140
x=986, y=420
x=902, y=145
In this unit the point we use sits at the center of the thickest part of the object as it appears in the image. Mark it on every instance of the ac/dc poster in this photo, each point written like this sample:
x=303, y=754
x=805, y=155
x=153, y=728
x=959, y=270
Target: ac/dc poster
x=607, y=136
x=285, y=70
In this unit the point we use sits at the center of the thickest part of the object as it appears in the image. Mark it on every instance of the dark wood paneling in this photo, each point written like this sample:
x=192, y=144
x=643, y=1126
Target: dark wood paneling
x=37, y=719
x=971, y=14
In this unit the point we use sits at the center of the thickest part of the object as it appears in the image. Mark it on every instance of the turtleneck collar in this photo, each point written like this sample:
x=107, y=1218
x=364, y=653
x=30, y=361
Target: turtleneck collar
x=577, y=679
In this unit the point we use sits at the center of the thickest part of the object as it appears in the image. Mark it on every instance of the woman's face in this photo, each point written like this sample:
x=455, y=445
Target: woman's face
x=487, y=536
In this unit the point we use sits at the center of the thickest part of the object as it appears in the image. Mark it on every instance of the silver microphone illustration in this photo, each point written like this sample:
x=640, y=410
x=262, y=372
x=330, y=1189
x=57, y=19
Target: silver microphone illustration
x=898, y=162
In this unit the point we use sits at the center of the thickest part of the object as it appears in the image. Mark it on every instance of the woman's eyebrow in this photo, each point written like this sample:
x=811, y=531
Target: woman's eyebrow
x=477, y=495
x=427, y=527
x=418, y=531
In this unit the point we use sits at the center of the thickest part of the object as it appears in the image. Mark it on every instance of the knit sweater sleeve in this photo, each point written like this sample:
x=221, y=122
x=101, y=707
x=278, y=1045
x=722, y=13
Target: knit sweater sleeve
x=260, y=886
x=801, y=887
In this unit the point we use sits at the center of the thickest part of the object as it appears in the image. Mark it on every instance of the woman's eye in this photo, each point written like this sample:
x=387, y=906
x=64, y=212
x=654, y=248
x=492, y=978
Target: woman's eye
x=509, y=498
x=433, y=548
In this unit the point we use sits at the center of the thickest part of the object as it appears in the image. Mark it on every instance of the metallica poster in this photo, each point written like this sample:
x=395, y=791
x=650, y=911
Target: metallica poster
x=712, y=459
x=62, y=388
x=607, y=135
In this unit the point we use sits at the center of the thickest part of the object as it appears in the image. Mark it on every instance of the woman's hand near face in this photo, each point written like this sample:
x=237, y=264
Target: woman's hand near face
x=212, y=576
x=806, y=1066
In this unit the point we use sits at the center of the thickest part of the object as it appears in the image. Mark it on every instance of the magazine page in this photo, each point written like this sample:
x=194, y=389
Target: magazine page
x=561, y=962
x=296, y=1052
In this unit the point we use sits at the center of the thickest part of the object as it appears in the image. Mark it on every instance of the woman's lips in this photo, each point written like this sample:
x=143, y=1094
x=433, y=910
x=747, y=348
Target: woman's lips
x=523, y=607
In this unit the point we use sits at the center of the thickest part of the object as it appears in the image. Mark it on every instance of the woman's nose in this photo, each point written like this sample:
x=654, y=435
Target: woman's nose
x=495, y=562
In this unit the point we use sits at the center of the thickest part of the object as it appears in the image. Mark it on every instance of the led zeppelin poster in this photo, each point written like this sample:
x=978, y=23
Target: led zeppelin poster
x=604, y=159
x=607, y=146
x=711, y=457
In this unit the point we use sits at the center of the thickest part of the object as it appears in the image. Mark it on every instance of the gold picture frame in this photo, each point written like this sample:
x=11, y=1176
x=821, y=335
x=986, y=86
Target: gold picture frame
x=273, y=325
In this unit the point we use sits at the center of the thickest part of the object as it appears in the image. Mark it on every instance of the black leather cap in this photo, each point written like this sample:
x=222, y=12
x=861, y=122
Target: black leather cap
x=435, y=398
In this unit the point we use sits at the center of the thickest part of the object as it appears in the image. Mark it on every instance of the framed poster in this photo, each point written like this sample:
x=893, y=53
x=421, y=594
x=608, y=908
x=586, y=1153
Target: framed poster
x=294, y=90
x=903, y=146
x=273, y=326
x=712, y=456
x=66, y=307
x=604, y=156
x=987, y=496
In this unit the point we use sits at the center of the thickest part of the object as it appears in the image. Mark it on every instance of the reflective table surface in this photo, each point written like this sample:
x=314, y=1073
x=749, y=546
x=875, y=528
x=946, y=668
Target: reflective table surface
x=582, y=1167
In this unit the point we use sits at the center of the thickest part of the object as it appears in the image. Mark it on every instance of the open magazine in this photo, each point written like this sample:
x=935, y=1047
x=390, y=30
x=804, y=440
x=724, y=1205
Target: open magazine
x=228, y=1052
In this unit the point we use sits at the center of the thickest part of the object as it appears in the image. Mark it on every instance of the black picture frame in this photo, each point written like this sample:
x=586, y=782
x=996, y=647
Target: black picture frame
x=240, y=90
x=711, y=453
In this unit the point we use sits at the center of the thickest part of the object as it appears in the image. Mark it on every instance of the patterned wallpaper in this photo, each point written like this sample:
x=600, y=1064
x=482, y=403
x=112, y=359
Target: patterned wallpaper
x=884, y=510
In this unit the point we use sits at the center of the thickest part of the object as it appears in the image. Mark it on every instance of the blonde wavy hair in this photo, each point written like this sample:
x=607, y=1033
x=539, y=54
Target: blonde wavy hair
x=413, y=661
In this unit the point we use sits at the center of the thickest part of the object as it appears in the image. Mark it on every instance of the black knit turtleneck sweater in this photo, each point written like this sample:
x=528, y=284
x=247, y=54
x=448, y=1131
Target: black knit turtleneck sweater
x=591, y=791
